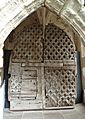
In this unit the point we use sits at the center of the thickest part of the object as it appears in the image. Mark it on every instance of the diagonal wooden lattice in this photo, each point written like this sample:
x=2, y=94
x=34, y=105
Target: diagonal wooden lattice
x=29, y=46
x=15, y=84
x=15, y=80
x=57, y=45
x=60, y=86
x=37, y=55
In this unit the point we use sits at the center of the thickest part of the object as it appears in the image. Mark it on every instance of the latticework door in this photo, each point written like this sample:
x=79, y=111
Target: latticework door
x=46, y=67
x=59, y=75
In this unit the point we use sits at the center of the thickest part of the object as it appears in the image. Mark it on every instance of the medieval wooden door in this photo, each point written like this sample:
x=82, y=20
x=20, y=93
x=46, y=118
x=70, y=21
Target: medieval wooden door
x=42, y=69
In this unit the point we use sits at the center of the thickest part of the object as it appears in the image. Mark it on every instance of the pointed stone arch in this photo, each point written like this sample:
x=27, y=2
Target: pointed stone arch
x=47, y=51
x=15, y=12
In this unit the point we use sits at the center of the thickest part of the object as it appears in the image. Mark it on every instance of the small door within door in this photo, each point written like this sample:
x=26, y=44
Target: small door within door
x=26, y=93
x=29, y=84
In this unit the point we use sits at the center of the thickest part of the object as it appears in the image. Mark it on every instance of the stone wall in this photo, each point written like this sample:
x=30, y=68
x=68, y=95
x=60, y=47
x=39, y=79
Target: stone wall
x=14, y=12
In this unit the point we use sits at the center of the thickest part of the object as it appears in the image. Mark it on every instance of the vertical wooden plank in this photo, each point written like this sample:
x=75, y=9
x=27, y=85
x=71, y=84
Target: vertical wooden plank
x=43, y=86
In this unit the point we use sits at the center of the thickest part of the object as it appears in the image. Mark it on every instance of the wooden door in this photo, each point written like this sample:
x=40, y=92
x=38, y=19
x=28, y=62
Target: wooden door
x=59, y=73
x=44, y=69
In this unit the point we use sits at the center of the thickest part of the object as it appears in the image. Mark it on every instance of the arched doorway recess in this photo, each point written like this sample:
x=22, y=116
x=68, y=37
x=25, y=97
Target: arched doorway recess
x=42, y=64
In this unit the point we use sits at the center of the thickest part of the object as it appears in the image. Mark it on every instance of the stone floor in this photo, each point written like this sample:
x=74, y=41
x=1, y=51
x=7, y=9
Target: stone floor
x=77, y=113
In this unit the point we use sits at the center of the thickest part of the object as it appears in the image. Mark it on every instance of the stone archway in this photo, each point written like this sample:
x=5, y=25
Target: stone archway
x=17, y=11
x=14, y=12
x=42, y=64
